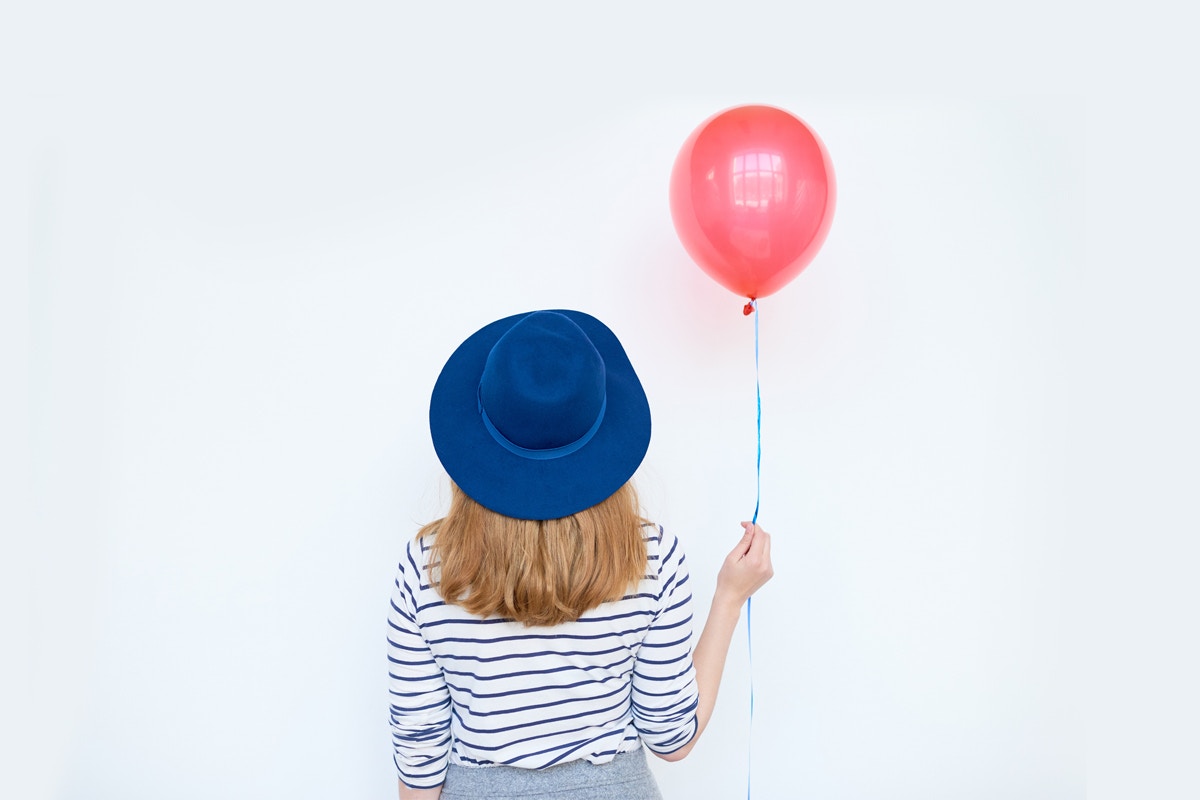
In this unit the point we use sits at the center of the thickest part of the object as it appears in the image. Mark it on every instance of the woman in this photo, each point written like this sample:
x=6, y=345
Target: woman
x=540, y=634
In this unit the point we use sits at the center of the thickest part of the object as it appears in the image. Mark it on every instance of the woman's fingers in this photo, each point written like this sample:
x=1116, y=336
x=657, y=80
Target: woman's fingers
x=757, y=540
x=744, y=544
x=762, y=542
x=760, y=546
x=748, y=565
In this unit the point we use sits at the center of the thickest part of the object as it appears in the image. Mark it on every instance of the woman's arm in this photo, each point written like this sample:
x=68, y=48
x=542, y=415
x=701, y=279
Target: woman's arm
x=420, y=709
x=409, y=793
x=745, y=569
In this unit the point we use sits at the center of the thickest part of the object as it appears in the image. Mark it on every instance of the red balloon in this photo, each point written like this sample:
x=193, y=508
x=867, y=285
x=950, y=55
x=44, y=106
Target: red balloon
x=752, y=196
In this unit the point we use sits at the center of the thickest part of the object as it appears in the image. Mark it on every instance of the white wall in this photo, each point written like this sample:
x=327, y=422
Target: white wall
x=254, y=233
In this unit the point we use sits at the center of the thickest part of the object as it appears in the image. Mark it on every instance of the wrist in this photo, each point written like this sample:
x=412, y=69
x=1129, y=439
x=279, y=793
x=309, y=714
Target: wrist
x=727, y=601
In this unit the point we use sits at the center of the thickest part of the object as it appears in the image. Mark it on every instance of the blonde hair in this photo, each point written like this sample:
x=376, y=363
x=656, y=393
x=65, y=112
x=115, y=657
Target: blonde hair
x=539, y=572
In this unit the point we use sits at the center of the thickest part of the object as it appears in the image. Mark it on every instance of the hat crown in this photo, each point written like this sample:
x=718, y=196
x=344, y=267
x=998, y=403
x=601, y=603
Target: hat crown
x=543, y=384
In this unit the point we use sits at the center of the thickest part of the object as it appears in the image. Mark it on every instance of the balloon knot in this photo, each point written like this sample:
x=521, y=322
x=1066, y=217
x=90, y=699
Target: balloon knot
x=748, y=309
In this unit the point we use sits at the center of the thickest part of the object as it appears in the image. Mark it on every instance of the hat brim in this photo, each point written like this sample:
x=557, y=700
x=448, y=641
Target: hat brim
x=538, y=489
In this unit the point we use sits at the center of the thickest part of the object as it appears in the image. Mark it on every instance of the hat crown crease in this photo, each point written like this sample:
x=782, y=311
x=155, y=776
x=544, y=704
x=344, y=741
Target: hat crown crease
x=542, y=392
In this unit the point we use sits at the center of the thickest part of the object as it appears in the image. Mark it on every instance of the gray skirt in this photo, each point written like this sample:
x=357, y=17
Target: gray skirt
x=626, y=777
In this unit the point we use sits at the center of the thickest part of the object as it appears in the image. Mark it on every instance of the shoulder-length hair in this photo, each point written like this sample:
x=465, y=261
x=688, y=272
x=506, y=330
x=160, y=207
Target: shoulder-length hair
x=539, y=572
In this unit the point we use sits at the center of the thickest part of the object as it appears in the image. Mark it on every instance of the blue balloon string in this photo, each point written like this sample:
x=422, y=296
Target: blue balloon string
x=758, y=423
x=754, y=520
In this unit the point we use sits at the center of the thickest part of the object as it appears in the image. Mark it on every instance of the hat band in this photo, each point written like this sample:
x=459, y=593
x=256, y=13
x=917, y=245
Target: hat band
x=548, y=453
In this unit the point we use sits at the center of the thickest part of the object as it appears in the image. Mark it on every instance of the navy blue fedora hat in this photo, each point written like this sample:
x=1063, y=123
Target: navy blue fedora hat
x=540, y=415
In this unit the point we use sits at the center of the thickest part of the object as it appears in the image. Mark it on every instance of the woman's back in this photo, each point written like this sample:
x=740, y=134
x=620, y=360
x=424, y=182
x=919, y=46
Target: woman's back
x=535, y=696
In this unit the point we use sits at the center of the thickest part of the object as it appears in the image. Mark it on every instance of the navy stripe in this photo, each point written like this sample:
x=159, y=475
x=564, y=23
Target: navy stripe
x=542, y=637
x=534, y=654
x=397, y=711
x=552, y=688
x=556, y=703
x=674, y=643
x=476, y=746
x=548, y=671
x=664, y=663
x=594, y=739
x=680, y=706
x=646, y=677
x=546, y=721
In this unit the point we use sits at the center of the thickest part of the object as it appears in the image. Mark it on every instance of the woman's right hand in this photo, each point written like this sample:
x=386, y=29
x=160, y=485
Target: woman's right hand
x=747, y=567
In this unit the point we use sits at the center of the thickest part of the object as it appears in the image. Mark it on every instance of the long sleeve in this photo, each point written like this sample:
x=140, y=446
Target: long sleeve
x=665, y=693
x=420, y=701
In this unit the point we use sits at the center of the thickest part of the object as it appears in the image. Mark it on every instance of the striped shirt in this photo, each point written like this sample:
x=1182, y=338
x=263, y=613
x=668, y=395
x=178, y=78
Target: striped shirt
x=477, y=691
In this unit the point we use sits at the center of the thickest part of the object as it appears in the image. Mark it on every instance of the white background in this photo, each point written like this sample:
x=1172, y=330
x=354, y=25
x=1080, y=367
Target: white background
x=241, y=239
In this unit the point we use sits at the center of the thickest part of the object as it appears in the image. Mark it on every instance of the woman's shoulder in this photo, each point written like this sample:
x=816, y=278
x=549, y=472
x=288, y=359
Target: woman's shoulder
x=416, y=554
x=663, y=548
x=652, y=534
